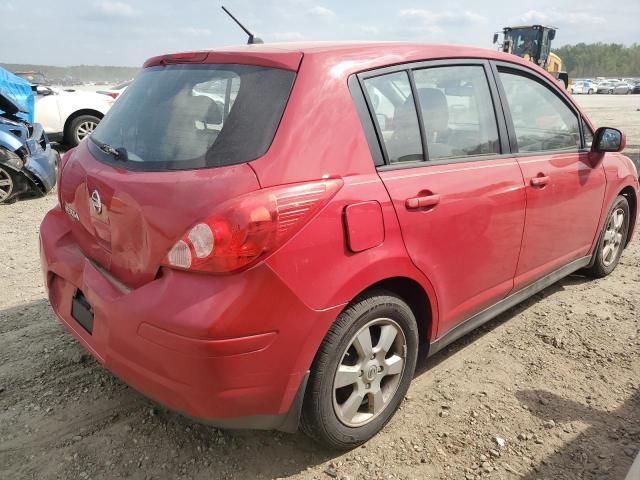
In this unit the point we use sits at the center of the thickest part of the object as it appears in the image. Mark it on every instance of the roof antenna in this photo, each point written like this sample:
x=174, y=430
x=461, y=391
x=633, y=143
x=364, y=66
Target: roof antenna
x=252, y=38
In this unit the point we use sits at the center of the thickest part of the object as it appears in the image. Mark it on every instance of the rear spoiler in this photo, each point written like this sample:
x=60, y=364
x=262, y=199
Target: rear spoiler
x=262, y=57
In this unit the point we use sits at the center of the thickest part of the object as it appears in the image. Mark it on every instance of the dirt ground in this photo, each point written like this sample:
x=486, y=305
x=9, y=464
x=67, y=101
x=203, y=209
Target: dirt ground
x=548, y=390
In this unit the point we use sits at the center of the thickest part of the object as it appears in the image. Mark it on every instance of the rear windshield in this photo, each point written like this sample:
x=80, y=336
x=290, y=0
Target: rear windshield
x=193, y=116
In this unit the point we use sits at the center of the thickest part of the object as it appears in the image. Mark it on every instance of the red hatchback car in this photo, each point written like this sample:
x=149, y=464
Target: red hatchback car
x=262, y=236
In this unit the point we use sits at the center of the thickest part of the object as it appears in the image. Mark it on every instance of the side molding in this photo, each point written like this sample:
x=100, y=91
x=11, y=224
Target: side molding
x=505, y=304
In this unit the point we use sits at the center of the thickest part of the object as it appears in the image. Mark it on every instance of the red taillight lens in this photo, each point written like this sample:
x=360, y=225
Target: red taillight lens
x=245, y=229
x=113, y=95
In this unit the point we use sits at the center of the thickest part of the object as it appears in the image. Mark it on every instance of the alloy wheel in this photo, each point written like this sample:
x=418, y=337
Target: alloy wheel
x=369, y=373
x=85, y=129
x=6, y=185
x=613, y=235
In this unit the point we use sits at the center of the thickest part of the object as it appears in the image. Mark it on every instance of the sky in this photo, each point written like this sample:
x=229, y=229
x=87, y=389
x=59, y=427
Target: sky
x=127, y=32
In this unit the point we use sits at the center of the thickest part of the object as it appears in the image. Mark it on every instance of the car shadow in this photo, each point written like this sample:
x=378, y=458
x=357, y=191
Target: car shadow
x=172, y=439
x=604, y=449
x=60, y=147
x=426, y=363
x=118, y=425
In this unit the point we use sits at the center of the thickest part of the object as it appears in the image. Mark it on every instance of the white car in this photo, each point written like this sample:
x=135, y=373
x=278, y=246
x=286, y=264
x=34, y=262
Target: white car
x=115, y=92
x=69, y=115
x=583, y=86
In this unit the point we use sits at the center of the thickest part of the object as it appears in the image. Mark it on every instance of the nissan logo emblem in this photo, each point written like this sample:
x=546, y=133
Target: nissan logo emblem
x=96, y=203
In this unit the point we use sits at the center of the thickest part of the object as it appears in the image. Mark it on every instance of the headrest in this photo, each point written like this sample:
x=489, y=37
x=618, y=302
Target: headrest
x=202, y=108
x=435, y=110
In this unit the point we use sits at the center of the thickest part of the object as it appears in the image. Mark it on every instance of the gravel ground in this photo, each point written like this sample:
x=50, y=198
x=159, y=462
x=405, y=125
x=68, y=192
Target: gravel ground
x=548, y=390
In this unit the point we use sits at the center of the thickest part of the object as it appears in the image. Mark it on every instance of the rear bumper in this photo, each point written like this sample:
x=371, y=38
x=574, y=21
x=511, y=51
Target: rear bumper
x=233, y=351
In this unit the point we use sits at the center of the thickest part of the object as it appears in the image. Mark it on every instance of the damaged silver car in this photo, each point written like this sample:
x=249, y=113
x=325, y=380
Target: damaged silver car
x=28, y=164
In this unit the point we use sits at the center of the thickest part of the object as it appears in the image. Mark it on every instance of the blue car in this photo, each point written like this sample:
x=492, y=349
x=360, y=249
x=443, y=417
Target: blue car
x=28, y=164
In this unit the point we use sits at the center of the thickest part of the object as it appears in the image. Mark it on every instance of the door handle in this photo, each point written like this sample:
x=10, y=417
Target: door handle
x=415, y=203
x=540, y=181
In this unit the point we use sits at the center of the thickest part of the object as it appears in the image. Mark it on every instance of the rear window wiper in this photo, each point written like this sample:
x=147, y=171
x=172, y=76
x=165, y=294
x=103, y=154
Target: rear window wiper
x=117, y=153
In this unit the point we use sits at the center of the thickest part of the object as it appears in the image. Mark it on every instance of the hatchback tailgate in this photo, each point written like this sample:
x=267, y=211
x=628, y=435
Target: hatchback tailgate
x=126, y=221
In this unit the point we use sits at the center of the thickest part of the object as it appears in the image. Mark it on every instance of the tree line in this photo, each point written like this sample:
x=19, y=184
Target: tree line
x=580, y=61
x=600, y=60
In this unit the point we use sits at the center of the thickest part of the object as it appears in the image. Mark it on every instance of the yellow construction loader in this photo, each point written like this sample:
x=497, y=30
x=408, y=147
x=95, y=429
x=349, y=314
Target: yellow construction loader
x=533, y=42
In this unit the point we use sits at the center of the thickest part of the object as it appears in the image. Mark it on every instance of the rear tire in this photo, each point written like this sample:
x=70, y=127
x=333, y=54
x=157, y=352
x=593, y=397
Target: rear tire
x=356, y=385
x=613, y=239
x=79, y=128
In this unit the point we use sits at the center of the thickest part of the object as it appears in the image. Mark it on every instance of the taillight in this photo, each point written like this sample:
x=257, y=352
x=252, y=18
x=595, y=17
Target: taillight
x=113, y=95
x=245, y=229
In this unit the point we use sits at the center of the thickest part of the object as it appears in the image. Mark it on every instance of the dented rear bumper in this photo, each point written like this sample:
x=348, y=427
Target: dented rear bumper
x=213, y=348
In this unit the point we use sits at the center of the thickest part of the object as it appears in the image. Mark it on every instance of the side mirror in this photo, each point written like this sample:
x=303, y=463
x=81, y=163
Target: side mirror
x=44, y=91
x=495, y=38
x=608, y=139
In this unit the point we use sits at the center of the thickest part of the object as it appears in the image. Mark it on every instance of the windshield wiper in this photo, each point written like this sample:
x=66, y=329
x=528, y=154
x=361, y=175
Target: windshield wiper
x=117, y=153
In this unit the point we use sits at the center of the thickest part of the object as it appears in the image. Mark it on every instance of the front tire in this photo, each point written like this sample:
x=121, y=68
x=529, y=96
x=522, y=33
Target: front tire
x=361, y=372
x=7, y=186
x=612, y=239
x=79, y=128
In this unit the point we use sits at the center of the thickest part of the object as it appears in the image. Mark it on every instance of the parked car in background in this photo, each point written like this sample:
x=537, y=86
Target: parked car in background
x=635, y=87
x=27, y=161
x=69, y=115
x=116, y=91
x=278, y=259
x=606, y=86
x=627, y=85
x=583, y=86
x=614, y=87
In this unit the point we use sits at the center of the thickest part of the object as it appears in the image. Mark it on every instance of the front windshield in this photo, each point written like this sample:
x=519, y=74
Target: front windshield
x=524, y=42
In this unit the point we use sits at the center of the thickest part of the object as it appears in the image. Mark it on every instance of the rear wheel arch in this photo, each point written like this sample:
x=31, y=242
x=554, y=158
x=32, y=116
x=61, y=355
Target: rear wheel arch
x=417, y=293
x=630, y=194
x=421, y=302
x=322, y=408
x=414, y=295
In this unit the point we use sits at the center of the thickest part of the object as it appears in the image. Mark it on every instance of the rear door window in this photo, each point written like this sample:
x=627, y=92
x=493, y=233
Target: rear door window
x=191, y=116
x=457, y=112
x=395, y=115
